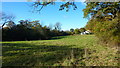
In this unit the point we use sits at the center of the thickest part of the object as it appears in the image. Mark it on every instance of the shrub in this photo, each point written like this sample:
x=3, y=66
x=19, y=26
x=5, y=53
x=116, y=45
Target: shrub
x=108, y=31
x=77, y=31
x=82, y=29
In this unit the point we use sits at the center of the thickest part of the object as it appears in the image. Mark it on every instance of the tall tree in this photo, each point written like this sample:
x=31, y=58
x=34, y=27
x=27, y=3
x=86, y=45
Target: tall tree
x=72, y=30
x=77, y=31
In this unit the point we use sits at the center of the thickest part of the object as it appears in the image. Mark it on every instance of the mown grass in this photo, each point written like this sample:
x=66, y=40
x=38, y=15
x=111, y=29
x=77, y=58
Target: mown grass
x=77, y=50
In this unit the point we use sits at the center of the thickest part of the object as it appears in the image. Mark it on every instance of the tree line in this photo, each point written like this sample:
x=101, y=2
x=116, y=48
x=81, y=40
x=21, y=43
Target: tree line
x=33, y=30
x=30, y=30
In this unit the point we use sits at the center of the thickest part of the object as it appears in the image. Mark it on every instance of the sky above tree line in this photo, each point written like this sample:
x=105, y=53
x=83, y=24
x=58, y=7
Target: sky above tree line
x=49, y=15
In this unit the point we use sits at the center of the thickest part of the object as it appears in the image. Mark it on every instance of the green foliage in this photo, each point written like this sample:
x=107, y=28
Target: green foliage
x=82, y=29
x=107, y=31
x=101, y=9
x=104, y=21
x=67, y=5
x=77, y=31
x=69, y=32
x=72, y=30
x=64, y=6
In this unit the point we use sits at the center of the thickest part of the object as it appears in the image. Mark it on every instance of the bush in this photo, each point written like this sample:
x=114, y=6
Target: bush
x=77, y=31
x=108, y=31
x=82, y=29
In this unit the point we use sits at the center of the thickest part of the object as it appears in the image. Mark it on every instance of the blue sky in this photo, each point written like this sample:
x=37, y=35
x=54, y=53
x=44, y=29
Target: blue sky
x=49, y=15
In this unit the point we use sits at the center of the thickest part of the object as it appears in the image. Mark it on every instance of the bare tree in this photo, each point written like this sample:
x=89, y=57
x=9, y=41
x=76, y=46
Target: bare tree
x=5, y=18
x=57, y=26
x=10, y=24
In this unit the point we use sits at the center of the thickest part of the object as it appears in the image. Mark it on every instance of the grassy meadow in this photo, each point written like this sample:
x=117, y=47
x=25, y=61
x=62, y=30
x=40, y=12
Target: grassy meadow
x=74, y=50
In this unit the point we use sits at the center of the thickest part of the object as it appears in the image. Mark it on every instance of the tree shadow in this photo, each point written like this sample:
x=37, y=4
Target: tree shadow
x=23, y=54
x=57, y=37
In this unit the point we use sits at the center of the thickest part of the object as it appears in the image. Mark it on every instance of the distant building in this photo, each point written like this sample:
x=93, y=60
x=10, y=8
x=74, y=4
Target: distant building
x=86, y=32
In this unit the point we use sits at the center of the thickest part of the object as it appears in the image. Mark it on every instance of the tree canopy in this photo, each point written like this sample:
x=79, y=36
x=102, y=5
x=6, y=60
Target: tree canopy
x=101, y=9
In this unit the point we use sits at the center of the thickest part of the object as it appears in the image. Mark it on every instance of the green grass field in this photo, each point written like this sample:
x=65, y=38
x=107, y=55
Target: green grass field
x=77, y=50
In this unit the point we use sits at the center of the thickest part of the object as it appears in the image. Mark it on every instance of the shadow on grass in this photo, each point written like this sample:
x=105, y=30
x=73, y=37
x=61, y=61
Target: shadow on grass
x=22, y=54
x=58, y=37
